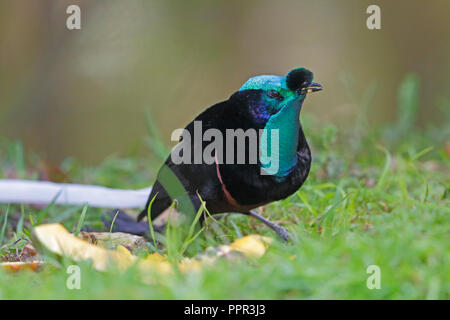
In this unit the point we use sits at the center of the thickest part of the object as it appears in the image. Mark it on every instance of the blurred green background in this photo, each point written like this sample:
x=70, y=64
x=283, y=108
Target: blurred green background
x=85, y=93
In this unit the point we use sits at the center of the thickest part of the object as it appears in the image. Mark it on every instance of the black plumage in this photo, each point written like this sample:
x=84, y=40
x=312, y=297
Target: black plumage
x=236, y=187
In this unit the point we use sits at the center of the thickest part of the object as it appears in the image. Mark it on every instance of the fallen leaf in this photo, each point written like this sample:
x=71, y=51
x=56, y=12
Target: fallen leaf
x=251, y=245
x=111, y=240
x=56, y=239
x=21, y=266
x=28, y=253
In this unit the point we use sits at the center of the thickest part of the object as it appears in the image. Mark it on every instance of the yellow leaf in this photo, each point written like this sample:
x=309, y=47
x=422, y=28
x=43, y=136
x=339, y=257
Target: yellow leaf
x=155, y=257
x=187, y=264
x=55, y=238
x=20, y=266
x=251, y=245
x=156, y=262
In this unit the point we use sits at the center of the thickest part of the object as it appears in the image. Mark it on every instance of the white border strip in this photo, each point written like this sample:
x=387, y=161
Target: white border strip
x=43, y=193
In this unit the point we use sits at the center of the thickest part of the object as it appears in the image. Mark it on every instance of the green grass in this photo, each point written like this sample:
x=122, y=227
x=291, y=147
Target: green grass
x=374, y=200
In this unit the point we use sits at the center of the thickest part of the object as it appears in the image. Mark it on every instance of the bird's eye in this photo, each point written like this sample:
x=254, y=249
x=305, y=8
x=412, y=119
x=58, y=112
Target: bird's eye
x=274, y=94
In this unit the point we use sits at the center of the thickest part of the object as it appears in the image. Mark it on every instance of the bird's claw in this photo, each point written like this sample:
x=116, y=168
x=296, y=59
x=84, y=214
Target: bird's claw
x=283, y=233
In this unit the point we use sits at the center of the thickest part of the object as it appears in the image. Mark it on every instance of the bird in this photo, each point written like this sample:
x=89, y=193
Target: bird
x=264, y=102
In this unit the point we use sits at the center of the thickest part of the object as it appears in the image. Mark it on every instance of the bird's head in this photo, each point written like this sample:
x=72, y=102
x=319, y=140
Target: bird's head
x=278, y=92
x=274, y=102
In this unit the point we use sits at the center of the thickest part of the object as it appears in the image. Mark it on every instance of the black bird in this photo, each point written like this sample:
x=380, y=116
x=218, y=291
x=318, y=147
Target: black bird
x=266, y=102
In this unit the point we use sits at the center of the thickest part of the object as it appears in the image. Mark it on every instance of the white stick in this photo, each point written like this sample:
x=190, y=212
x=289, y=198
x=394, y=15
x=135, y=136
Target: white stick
x=43, y=192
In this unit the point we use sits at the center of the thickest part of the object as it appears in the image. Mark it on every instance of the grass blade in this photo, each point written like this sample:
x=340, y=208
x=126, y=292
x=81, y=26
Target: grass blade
x=387, y=165
x=149, y=218
x=41, y=214
x=81, y=220
x=114, y=220
x=190, y=238
x=19, y=228
x=422, y=153
x=5, y=220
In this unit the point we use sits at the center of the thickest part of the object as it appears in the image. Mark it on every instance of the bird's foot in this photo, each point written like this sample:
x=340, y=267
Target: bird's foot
x=282, y=232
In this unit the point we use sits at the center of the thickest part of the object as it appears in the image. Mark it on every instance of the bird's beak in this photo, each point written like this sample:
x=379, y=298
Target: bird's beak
x=313, y=87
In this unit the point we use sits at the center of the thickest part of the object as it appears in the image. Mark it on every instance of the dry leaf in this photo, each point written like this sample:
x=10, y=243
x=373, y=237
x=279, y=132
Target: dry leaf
x=156, y=262
x=251, y=245
x=112, y=240
x=28, y=253
x=55, y=238
x=21, y=266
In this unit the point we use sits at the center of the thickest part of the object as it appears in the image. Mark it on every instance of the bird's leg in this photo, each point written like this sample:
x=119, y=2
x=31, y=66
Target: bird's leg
x=282, y=232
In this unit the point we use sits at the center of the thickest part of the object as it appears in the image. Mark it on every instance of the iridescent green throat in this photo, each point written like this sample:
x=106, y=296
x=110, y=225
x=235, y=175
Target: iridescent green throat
x=283, y=114
x=288, y=125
